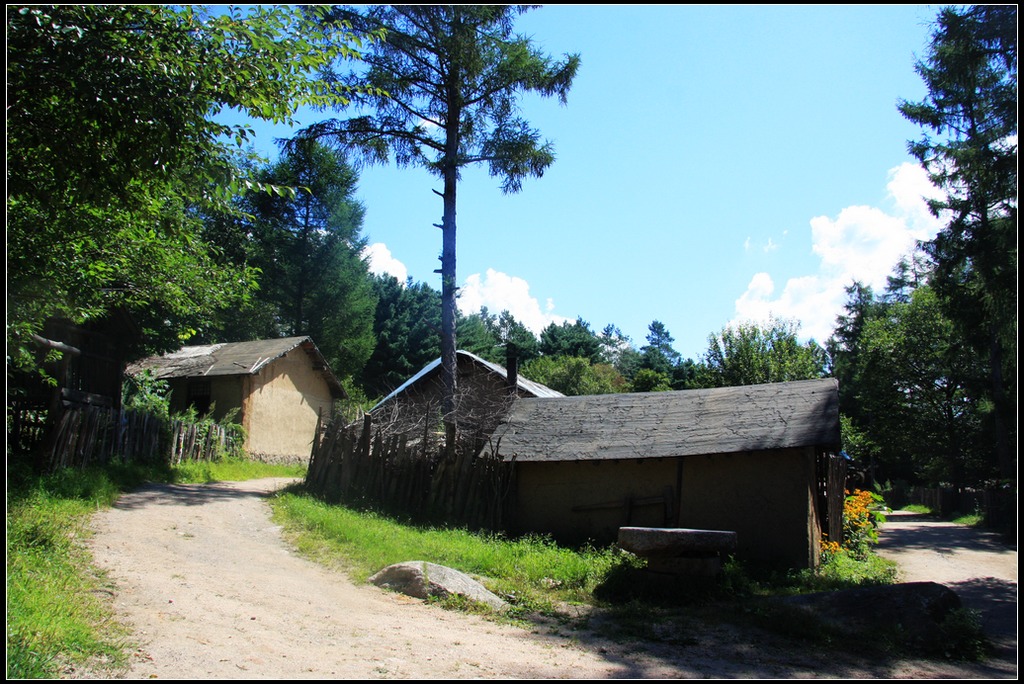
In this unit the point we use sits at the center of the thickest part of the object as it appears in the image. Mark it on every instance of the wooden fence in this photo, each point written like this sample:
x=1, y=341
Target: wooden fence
x=831, y=476
x=410, y=475
x=90, y=435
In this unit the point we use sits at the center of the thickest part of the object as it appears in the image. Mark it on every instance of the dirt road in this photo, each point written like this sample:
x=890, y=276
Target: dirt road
x=978, y=565
x=210, y=590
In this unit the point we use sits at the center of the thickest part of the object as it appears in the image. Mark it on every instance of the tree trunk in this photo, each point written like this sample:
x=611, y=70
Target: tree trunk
x=449, y=359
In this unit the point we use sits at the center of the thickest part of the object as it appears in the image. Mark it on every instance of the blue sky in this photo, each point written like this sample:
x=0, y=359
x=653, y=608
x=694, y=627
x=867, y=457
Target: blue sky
x=714, y=165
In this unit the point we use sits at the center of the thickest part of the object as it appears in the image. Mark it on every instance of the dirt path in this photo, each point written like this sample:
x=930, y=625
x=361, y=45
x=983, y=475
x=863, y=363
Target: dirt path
x=211, y=591
x=978, y=565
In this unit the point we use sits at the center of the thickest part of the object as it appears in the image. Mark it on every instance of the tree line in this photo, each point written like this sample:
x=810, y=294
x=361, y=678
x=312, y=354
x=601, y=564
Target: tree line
x=125, y=191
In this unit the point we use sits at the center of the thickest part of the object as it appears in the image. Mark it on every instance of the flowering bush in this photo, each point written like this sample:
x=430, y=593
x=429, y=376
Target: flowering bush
x=862, y=512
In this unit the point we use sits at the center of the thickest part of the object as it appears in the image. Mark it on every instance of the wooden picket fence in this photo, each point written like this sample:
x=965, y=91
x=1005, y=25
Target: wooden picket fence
x=94, y=435
x=410, y=475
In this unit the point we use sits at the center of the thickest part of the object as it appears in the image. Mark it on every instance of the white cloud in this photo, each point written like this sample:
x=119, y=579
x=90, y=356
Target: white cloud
x=861, y=243
x=500, y=292
x=381, y=261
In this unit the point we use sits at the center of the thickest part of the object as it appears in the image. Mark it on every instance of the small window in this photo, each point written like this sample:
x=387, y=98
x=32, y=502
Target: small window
x=199, y=396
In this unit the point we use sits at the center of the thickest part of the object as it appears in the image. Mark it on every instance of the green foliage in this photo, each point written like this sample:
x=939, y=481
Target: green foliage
x=751, y=354
x=574, y=376
x=909, y=388
x=308, y=250
x=108, y=166
x=970, y=152
x=231, y=469
x=407, y=324
x=650, y=380
x=144, y=393
x=493, y=337
x=571, y=339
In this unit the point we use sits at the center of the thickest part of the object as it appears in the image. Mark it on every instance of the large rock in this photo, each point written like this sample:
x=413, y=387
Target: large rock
x=421, y=579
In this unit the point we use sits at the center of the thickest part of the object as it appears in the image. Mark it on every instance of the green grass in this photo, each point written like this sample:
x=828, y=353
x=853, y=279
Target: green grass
x=975, y=519
x=231, y=470
x=532, y=573
x=58, y=612
x=919, y=508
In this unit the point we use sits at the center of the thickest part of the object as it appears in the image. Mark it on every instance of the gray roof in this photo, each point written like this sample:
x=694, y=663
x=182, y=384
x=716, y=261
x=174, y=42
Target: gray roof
x=667, y=424
x=530, y=387
x=233, y=358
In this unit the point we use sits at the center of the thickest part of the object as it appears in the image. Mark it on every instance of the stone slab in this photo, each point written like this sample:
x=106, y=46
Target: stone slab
x=676, y=542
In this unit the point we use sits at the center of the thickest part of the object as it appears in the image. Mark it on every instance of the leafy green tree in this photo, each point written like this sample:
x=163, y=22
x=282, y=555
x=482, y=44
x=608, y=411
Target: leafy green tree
x=650, y=380
x=493, y=337
x=914, y=389
x=574, y=376
x=845, y=347
x=750, y=354
x=453, y=74
x=971, y=107
x=113, y=145
x=571, y=339
x=308, y=249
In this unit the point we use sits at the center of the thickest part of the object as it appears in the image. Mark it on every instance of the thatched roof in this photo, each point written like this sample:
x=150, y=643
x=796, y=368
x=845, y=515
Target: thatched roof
x=668, y=424
x=233, y=358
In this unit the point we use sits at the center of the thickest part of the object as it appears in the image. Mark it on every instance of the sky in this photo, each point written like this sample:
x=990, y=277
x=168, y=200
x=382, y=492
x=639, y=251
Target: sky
x=714, y=165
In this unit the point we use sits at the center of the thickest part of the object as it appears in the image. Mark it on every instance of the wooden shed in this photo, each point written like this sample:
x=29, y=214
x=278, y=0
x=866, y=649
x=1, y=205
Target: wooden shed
x=279, y=388
x=747, y=459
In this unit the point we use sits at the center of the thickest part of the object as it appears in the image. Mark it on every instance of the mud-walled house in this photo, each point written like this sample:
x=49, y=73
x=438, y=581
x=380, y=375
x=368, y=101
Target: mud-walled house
x=279, y=388
x=749, y=459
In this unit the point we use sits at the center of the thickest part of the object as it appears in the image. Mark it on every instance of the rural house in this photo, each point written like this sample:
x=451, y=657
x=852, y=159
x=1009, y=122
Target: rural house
x=485, y=392
x=280, y=388
x=751, y=459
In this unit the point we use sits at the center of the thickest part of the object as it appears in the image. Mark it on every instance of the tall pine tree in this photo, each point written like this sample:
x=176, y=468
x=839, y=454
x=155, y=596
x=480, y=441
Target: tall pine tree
x=453, y=75
x=970, y=151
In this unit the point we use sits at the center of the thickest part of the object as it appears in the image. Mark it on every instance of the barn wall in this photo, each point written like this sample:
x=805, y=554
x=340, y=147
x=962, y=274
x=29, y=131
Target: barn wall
x=546, y=494
x=281, y=410
x=767, y=498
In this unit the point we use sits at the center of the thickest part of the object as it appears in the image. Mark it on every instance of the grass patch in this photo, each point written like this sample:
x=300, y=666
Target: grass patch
x=920, y=509
x=531, y=573
x=232, y=470
x=58, y=612
x=976, y=519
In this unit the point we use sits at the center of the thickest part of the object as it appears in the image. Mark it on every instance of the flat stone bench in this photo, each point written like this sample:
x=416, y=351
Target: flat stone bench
x=679, y=551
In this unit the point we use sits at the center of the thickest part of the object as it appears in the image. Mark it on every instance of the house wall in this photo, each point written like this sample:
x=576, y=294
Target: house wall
x=607, y=495
x=283, y=401
x=225, y=394
x=767, y=498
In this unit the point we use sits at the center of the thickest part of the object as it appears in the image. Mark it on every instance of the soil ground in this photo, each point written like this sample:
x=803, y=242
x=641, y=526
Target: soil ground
x=210, y=590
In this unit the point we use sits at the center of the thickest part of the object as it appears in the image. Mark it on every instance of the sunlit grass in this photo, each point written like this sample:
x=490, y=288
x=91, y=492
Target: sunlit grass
x=56, y=616
x=531, y=571
x=232, y=470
